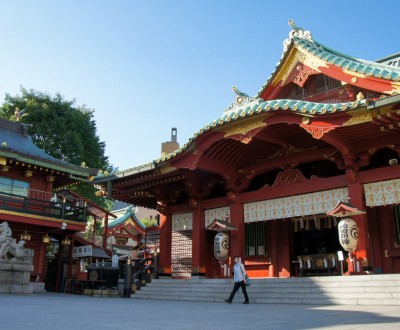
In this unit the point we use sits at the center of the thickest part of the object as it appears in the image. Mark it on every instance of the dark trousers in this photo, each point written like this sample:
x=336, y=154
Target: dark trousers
x=236, y=288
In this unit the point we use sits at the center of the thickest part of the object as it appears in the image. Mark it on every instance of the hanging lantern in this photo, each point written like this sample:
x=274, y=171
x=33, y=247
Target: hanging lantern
x=348, y=234
x=66, y=241
x=25, y=236
x=221, y=246
x=46, y=239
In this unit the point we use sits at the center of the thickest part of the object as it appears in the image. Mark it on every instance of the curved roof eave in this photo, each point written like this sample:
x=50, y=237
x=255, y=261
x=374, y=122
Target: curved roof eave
x=297, y=38
x=297, y=106
x=300, y=38
x=17, y=144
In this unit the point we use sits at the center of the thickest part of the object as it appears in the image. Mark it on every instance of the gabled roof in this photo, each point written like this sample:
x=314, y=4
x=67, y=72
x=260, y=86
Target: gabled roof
x=247, y=117
x=16, y=144
x=129, y=217
x=220, y=225
x=246, y=106
x=343, y=209
x=303, y=41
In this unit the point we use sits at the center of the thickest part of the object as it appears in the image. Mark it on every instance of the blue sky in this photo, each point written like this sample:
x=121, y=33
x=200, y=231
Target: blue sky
x=147, y=66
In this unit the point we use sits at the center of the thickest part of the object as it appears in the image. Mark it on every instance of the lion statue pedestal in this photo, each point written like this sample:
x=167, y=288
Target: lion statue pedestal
x=14, y=274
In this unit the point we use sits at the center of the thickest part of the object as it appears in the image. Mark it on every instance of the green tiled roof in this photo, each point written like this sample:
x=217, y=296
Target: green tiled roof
x=304, y=40
x=298, y=106
x=256, y=105
x=129, y=213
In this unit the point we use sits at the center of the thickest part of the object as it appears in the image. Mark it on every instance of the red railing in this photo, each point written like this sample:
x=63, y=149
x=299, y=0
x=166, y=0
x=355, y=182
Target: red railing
x=42, y=203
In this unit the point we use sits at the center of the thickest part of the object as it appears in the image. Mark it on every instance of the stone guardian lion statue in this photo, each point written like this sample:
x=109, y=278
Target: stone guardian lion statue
x=8, y=245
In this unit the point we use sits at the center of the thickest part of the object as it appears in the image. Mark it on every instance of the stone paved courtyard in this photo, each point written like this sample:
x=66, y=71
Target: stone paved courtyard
x=73, y=312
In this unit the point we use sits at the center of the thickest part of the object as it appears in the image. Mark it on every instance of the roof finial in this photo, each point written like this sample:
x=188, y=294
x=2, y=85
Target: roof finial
x=297, y=32
x=292, y=25
x=238, y=92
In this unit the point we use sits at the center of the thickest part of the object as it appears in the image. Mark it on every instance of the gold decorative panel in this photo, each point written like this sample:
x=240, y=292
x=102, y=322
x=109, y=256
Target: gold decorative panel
x=245, y=126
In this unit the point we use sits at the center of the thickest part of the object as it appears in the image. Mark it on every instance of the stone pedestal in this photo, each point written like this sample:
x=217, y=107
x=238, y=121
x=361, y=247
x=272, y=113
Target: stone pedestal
x=15, y=276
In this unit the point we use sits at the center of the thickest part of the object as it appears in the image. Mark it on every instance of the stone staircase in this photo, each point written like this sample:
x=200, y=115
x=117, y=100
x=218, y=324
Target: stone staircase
x=324, y=290
x=38, y=287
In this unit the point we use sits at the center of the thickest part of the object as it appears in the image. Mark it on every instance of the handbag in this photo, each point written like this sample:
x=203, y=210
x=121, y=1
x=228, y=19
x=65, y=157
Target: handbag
x=248, y=281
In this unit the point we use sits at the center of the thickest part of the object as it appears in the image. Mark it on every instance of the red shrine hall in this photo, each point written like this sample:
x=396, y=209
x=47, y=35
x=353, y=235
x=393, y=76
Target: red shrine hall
x=269, y=171
x=36, y=208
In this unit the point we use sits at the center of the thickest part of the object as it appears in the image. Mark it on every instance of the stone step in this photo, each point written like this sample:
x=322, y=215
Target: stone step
x=38, y=287
x=335, y=295
x=347, y=290
x=395, y=291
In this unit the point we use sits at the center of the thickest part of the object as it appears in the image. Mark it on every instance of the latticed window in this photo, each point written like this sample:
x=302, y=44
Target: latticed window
x=181, y=253
x=297, y=93
x=255, y=238
x=325, y=83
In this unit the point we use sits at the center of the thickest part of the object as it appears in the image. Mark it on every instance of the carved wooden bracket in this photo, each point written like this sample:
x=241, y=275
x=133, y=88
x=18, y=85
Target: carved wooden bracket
x=316, y=132
x=289, y=177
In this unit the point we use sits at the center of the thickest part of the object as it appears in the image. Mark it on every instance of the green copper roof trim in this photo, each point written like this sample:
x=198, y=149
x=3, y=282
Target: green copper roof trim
x=374, y=69
x=125, y=217
x=304, y=40
x=297, y=106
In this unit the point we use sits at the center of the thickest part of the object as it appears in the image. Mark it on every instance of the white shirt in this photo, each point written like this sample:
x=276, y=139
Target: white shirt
x=239, y=272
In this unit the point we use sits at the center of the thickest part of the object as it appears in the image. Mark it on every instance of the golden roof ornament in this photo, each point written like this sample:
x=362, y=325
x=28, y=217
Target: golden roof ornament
x=360, y=96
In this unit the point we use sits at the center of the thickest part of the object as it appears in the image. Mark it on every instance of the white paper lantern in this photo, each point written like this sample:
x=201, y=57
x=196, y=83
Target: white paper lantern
x=221, y=246
x=348, y=234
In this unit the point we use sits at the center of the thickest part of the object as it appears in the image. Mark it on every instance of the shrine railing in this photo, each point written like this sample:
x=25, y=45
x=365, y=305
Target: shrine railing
x=43, y=204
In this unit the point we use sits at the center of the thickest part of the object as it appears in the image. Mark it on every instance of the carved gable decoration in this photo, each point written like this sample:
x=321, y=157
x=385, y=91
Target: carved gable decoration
x=300, y=74
x=289, y=177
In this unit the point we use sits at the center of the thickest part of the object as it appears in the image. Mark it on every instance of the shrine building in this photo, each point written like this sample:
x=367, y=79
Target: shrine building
x=34, y=205
x=323, y=129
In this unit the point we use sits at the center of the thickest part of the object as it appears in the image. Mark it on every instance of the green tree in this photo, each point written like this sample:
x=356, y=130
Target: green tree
x=63, y=130
x=148, y=222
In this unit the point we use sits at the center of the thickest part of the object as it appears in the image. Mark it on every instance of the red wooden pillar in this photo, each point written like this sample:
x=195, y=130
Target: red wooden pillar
x=70, y=259
x=41, y=263
x=105, y=232
x=59, y=268
x=273, y=246
x=198, y=239
x=165, y=245
x=284, y=247
x=356, y=194
x=237, y=243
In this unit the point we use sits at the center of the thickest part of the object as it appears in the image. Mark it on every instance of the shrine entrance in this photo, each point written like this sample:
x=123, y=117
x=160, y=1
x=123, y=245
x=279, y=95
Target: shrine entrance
x=315, y=246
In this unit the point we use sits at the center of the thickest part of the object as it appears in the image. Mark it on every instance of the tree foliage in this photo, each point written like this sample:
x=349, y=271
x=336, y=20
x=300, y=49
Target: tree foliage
x=62, y=129
x=148, y=222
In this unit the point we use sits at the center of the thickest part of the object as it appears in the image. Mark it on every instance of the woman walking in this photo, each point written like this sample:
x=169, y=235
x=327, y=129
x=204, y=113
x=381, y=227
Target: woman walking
x=240, y=281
